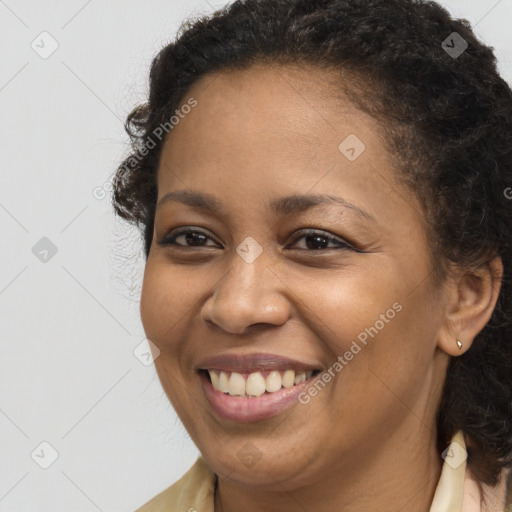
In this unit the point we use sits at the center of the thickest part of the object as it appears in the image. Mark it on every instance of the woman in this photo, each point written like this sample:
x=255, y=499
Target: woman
x=323, y=190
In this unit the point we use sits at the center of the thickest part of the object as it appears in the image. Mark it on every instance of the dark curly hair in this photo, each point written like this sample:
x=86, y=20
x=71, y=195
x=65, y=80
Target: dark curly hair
x=446, y=118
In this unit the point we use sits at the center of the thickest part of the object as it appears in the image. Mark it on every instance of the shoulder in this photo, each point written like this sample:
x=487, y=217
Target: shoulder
x=195, y=489
x=508, y=499
x=480, y=497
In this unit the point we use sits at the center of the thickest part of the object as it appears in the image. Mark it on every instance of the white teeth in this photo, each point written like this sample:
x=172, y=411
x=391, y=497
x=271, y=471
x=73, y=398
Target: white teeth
x=236, y=385
x=273, y=382
x=288, y=378
x=215, y=379
x=255, y=384
x=300, y=377
x=223, y=382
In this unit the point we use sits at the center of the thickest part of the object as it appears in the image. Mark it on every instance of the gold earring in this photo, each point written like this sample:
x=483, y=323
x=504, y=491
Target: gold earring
x=459, y=344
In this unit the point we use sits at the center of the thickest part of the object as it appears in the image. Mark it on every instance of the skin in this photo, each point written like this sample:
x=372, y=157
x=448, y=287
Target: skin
x=368, y=440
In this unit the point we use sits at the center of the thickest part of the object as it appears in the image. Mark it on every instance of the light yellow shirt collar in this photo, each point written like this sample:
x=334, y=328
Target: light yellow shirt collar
x=457, y=490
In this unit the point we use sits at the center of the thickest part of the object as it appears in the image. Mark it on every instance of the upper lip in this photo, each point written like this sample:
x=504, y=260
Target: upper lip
x=249, y=363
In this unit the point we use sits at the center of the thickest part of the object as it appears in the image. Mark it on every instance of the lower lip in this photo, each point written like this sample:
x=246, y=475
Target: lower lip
x=248, y=409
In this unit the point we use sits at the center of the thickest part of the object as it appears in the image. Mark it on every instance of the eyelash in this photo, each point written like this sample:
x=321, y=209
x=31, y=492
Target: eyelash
x=171, y=240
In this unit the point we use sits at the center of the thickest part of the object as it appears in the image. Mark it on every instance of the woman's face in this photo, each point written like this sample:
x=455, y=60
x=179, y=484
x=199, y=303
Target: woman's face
x=361, y=307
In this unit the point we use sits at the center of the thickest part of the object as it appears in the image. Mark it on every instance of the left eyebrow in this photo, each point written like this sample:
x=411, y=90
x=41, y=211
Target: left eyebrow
x=283, y=206
x=294, y=203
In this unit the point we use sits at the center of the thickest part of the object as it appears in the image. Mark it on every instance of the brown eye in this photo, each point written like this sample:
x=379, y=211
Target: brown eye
x=188, y=238
x=317, y=240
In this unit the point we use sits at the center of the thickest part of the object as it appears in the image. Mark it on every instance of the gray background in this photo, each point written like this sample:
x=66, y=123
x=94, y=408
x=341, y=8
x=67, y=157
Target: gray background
x=70, y=319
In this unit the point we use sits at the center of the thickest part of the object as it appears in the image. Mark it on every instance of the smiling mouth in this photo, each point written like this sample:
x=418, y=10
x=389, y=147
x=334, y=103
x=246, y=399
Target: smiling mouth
x=256, y=384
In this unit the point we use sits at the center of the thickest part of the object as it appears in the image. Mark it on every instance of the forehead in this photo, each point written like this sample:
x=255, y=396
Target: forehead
x=290, y=84
x=269, y=112
x=301, y=99
x=276, y=130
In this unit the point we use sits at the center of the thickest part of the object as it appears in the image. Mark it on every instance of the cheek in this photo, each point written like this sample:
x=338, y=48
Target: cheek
x=348, y=303
x=396, y=357
x=167, y=296
x=382, y=332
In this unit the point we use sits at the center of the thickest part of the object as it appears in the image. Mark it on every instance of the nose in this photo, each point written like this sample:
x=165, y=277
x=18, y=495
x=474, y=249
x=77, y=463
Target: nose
x=249, y=294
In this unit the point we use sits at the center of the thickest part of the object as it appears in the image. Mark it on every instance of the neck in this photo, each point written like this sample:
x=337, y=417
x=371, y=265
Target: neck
x=401, y=474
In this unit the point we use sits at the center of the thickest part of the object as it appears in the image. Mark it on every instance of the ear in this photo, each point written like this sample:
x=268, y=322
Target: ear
x=472, y=296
